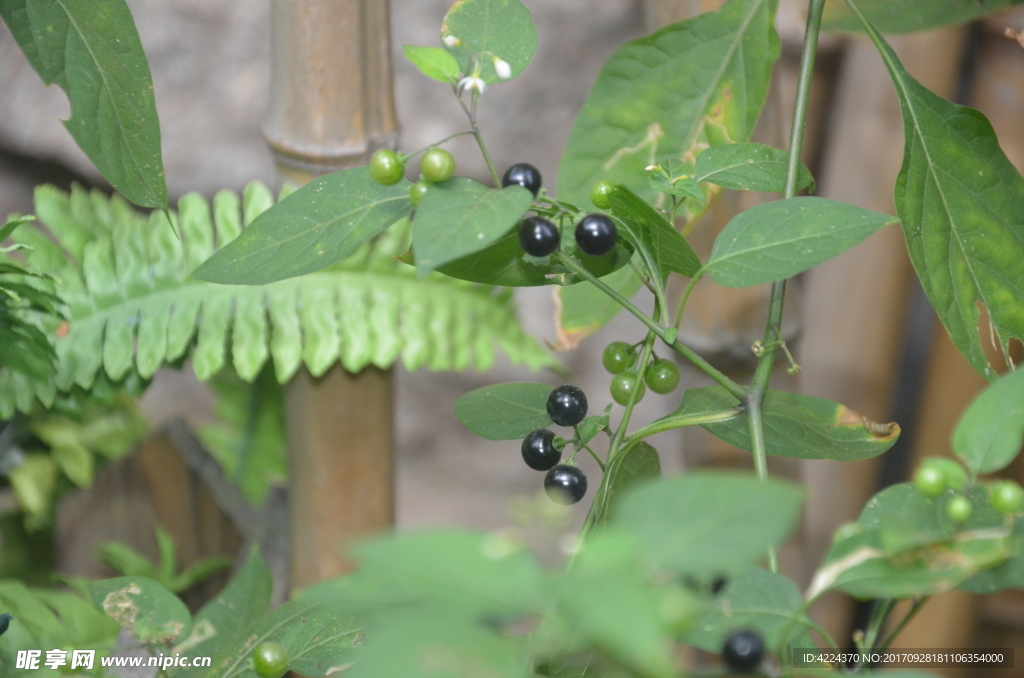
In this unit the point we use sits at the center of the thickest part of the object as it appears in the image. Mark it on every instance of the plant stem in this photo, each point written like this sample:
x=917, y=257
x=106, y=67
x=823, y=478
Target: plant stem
x=918, y=604
x=881, y=610
x=437, y=143
x=672, y=422
x=471, y=114
x=704, y=366
x=686, y=297
x=594, y=455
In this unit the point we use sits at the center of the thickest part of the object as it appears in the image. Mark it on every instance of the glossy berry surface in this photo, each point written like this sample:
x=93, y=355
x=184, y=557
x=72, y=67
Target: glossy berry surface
x=437, y=165
x=5, y=622
x=662, y=376
x=538, y=236
x=522, y=174
x=618, y=356
x=539, y=451
x=624, y=385
x=596, y=234
x=958, y=508
x=600, y=193
x=930, y=480
x=1008, y=497
x=565, y=484
x=386, y=167
x=567, y=405
x=269, y=660
x=743, y=651
x=417, y=191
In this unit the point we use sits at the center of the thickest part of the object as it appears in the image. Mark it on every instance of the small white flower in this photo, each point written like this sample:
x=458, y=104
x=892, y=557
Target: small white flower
x=452, y=41
x=502, y=68
x=650, y=168
x=472, y=82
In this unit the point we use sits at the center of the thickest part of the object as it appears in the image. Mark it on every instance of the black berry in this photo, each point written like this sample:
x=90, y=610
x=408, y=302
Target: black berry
x=596, y=234
x=5, y=621
x=567, y=406
x=522, y=174
x=718, y=585
x=565, y=484
x=539, y=451
x=743, y=651
x=538, y=236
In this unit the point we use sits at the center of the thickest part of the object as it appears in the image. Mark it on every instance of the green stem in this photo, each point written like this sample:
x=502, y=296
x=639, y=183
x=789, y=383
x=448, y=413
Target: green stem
x=641, y=364
x=704, y=366
x=686, y=297
x=409, y=156
x=882, y=608
x=471, y=114
x=918, y=604
x=674, y=421
x=756, y=427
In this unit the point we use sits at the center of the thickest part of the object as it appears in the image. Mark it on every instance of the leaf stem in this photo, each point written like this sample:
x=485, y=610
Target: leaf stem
x=686, y=297
x=739, y=392
x=594, y=455
x=407, y=156
x=679, y=421
x=471, y=114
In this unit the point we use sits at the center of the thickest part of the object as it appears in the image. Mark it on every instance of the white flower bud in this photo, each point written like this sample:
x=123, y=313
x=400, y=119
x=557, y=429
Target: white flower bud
x=502, y=68
x=452, y=41
x=472, y=82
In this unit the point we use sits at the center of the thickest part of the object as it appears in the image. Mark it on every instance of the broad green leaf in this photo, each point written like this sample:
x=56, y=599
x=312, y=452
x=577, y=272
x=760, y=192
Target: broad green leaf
x=223, y=620
x=91, y=49
x=961, y=204
x=433, y=62
x=505, y=411
x=33, y=481
x=654, y=100
x=709, y=523
x=1008, y=575
x=489, y=30
x=318, y=641
x=777, y=240
x=903, y=16
x=85, y=625
x=142, y=607
x=316, y=226
x=991, y=430
x=757, y=600
x=629, y=468
x=40, y=622
x=748, y=167
x=660, y=245
x=796, y=425
x=461, y=216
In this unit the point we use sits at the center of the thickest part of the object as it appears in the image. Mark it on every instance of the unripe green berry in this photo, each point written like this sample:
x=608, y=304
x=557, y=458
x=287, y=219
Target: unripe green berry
x=417, y=191
x=623, y=386
x=618, y=357
x=600, y=193
x=386, y=167
x=662, y=376
x=959, y=508
x=437, y=165
x=1007, y=497
x=930, y=480
x=269, y=660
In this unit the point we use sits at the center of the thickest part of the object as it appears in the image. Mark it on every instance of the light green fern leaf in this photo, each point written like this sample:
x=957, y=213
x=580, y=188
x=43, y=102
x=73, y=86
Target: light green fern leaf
x=132, y=307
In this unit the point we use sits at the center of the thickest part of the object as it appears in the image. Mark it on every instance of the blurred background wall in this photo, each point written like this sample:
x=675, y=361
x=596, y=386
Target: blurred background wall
x=859, y=325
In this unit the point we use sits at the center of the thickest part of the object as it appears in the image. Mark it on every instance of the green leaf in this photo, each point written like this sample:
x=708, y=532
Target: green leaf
x=142, y=607
x=91, y=49
x=654, y=100
x=675, y=178
x=960, y=201
x=33, y=482
x=1008, y=575
x=461, y=216
x=591, y=426
x=991, y=430
x=586, y=309
x=903, y=16
x=126, y=560
x=663, y=249
x=316, y=226
x=796, y=425
x=505, y=411
x=749, y=167
x=631, y=467
x=758, y=600
x=777, y=240
x=221, y=623
x=709, y=523
x=489, y=30
x=12, y=223
x=433, y=62
x=198, y=572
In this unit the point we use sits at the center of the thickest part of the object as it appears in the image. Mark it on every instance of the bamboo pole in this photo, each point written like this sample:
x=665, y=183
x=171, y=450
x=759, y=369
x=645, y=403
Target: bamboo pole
x=331, y=106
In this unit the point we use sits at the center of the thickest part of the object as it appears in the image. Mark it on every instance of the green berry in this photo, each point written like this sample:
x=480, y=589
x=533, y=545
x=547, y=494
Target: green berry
x=1007, y=497
x=931, y=480
x=600, y=193
x=269, y=660
x=618, y=357
x=437, y=165
x=662, y=376
x=417, y=191
x=623, y=386
x=958, y=508
x=386, y=167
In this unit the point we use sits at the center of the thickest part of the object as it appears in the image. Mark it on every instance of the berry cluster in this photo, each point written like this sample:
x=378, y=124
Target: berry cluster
x=661, y=376
x=564, y=483
x=436, y=165
x=936, y=475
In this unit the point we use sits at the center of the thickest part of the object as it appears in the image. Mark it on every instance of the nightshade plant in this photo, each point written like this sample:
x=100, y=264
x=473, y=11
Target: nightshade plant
x=660, y=562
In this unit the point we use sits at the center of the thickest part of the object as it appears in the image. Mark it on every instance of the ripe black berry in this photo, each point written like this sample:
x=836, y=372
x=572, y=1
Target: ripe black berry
x=567, y=406
x=539, y=451
x=596, y=234
x=565, y=484
x=522, y=174
x=743, y=651
x=5, y=621
x=538, y=236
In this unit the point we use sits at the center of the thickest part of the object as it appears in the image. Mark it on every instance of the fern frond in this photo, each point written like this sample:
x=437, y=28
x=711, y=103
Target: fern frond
x=132, y=307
